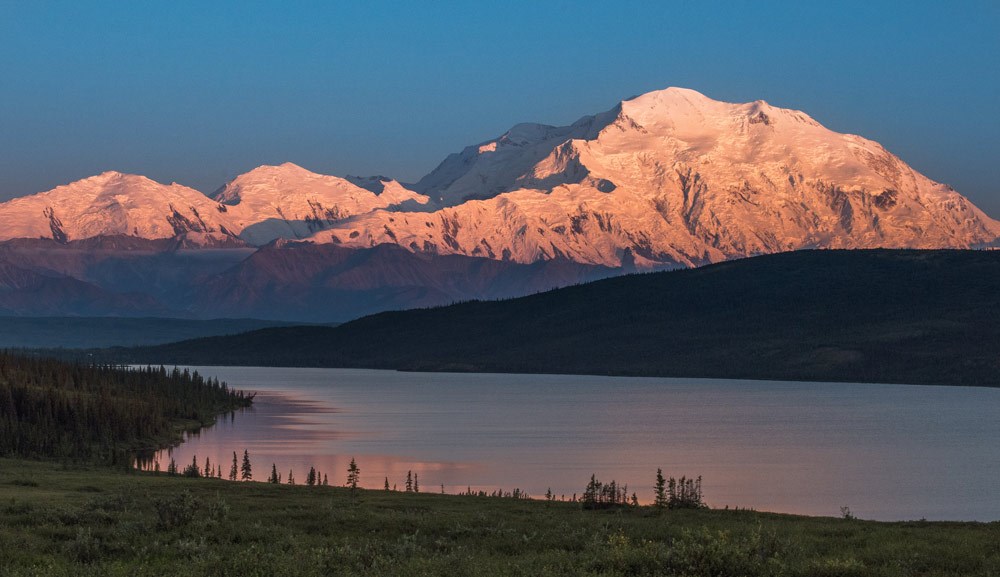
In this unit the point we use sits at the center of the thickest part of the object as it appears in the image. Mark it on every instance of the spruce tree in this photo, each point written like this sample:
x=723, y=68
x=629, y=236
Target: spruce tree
x=416, y=483
x=592, y=492
x=311, y=477
x=273, y=479
x=291, y=477
x=353, y=475
x=246, y=474
x=192, y=469
x=172, y=467
x=660, y=491
x=409, y=481
x=387, y=483
x=234, y=469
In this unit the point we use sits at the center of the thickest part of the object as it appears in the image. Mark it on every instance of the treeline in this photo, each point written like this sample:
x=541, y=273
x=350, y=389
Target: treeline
x=51, y=409
x=668, y=493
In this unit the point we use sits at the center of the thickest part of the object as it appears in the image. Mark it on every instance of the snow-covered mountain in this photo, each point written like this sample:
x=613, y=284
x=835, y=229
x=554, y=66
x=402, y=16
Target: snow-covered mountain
x=674, y=177
x=290, y=202
x=669, y=178
x=116, y=204
x=265, y=204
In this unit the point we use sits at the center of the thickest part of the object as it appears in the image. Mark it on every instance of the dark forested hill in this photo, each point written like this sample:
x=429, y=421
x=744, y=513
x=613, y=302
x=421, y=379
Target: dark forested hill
x=871, y=316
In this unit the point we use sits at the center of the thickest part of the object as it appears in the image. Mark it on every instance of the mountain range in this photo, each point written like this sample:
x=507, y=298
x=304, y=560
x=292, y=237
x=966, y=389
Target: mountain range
x=668, y=179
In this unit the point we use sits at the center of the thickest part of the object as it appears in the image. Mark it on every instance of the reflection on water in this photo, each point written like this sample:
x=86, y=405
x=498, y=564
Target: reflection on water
x=887, y=452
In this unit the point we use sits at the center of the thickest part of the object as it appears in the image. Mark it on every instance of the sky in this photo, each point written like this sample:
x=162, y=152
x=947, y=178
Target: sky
x=198, y=92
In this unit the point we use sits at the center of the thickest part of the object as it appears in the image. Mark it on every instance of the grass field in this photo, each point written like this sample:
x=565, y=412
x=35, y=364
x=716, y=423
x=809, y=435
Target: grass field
x=57, y=520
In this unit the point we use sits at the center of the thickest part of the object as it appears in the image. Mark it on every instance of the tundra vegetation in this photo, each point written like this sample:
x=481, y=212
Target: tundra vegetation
x=89, y=520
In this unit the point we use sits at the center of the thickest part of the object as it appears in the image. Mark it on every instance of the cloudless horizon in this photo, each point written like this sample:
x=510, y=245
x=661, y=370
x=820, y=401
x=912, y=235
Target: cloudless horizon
x=198, y=94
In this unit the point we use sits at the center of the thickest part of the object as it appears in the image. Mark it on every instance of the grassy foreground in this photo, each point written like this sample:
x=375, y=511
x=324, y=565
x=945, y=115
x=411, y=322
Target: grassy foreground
x=95, y=521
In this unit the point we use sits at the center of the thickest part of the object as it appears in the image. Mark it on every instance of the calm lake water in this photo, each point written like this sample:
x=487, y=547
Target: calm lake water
x=886, y=451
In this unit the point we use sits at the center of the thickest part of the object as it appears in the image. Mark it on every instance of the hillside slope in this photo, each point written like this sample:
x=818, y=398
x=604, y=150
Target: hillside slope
x=870, y=316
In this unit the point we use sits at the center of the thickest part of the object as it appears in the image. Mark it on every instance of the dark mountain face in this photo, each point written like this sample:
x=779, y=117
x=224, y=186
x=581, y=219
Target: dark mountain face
x=309, y=282
x=284, y=281
x=26, y=292
x=163, y=269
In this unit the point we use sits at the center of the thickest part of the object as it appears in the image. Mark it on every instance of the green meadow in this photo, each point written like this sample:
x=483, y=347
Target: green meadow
x=86, y=520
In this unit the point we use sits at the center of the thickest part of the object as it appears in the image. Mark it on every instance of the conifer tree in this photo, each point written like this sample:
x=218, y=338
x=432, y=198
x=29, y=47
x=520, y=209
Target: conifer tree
x=208, y=469
x=311, y=477
x=234, y=469
x=353, y=475
x=416, y=483
x=326, y=482
x=172, y=467
x=660, y=491
x=246, y=473
x=591, y=493
x=387, y=483
x=291, y=477
x=273, y=478
x=409, y=481
x=192, y=469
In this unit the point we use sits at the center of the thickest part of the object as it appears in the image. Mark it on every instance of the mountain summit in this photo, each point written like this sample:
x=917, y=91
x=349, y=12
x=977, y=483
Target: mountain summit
x=673, y=177
x=290, y=202
x=116, y=204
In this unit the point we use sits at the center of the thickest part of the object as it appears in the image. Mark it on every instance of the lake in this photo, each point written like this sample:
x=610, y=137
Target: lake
x=887, y=452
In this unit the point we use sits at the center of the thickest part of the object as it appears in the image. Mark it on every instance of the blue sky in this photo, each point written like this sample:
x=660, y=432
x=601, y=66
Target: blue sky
x=183, y=92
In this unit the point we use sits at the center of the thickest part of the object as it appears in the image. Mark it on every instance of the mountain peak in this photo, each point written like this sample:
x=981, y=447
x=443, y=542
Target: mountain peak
x=291, y=202
x=290, y=167
x=675, y=177
x=110, y=183
x=273, y=169
x=115, y=204
x=672, y=92
x=110, y=176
